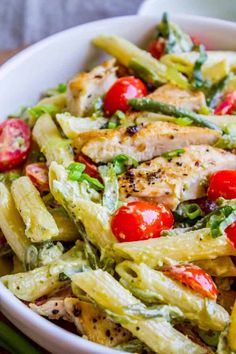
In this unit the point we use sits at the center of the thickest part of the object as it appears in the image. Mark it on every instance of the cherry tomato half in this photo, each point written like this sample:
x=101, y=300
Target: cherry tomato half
x=38, y=174
x=121, y=91
x=222, y=184
x=140, y=221
x=157, y=48
x=194, y=277
x=91, y=168
x=231, y=233
x=14, y=143
x=228, y=105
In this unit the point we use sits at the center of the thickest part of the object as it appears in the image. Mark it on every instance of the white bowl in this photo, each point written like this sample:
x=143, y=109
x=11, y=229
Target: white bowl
x=48, y=63
x=225, y=10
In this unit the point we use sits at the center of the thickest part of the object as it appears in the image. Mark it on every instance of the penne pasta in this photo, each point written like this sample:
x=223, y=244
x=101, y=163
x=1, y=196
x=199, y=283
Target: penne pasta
x=158, y=334
x=206, y=313
x=53, y=146
x=40, y=225
x=12, y=224
x=186, y=247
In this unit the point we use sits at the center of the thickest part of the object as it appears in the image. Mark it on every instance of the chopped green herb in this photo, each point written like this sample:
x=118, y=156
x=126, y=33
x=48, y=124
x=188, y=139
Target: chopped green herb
x=183, y=121
x=121, y=162
x=175, y=153
x=188, y=213
x=119, y=114
x=112, y=125
x=75, y=171
x=94, y=182
x=61, y=88
x=36, y=111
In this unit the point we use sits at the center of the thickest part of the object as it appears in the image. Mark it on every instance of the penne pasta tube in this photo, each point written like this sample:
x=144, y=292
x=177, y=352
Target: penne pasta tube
x=12, y=224
x=94, y=217
x=40, y=225
x=187, y=247
x=157, y=333
x=206, y=313
x=72, y=126
x=41, y=281
x=50, y=141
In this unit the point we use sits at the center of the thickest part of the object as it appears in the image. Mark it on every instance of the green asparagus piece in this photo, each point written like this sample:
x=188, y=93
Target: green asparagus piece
x=14, y=341
x=149, y=105
x=217, y=90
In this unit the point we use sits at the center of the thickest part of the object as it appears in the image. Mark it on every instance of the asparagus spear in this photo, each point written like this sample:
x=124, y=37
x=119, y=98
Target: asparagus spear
x=149, y=105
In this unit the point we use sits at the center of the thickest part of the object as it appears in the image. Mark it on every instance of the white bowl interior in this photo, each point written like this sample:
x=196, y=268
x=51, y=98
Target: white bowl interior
x=225, y=10
x=55, y=60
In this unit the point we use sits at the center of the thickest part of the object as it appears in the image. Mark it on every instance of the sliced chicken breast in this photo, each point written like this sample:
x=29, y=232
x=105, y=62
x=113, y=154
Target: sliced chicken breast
x=142, y=142
x=86, y=87
x=176, y=96
x=171, y=181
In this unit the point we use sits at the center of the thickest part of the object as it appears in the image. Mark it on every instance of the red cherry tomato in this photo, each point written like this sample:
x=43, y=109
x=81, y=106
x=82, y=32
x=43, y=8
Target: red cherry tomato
x=121, y=91
x=231, y=233
x=157, y=48
x=140, y=221
x=90, y=168
x=38, y=174
x=14, y=143
x=222, y=184
x=194, y=277
x=228, y=105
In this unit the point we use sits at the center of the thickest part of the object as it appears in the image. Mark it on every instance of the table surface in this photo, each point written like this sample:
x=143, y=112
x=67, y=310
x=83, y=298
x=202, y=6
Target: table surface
x=4, y=55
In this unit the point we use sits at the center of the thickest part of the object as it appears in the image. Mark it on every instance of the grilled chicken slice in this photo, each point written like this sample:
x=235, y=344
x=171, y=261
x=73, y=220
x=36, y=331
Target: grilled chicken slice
x=142, y=142
x=94, y=324
x=52, y=308
x=85, y=87
x=178, y=179
x=176, y=96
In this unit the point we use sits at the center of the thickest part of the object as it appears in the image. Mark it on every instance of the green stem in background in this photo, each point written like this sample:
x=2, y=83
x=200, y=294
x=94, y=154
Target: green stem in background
x=149, y=105
x=15, y=342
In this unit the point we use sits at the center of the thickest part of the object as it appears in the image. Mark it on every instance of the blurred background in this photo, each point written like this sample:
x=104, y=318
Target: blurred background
x=23, y=22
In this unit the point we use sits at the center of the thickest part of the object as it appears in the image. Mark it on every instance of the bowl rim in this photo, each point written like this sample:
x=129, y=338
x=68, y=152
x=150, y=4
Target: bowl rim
x=7, y=299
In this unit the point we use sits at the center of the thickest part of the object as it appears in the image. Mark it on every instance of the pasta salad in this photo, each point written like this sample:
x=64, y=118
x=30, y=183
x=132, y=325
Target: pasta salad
x=118, y=198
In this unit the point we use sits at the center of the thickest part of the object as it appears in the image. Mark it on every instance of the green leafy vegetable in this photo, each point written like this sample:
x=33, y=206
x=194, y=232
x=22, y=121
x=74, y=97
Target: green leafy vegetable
x=111, y=187
x=149, y=105
x=76, y=169
x=197, y=81
x=217, y=90
x=188, y=212
x=220, y=220
x=36, y=111
x=174, y=153
x=61, y=88
x=121, y=162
